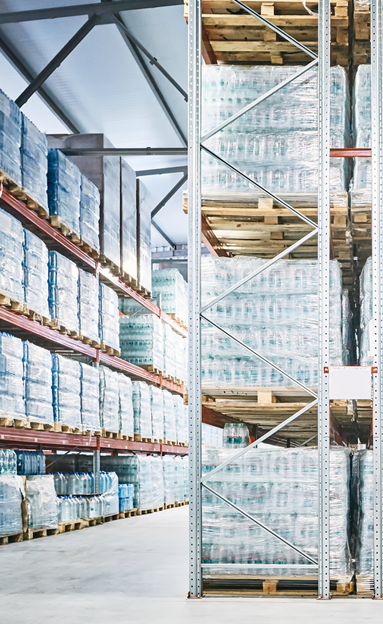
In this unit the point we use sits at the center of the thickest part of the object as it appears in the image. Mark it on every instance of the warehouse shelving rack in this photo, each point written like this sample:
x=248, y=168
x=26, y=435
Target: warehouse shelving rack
x=197, y=232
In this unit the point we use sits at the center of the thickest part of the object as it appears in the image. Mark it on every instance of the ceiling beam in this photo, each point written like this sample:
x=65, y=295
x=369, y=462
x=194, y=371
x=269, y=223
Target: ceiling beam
x=82, y=9
x=161, y=171
x=19, y=65
x=124, y=151
x=169, y=195
x=165, y=236
x=57, y=60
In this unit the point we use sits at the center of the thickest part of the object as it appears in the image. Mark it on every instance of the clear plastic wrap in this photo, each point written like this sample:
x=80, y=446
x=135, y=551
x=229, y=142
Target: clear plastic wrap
x=11, y=376
x=142, y=409
x=363, y=466
x=128, y=234
x=64, y=188
x=38, y=383
x=30, y=462
x=11, y=495
x=171, y=288
x=126, y=414
x=63, y=290
x=179, y=482
x=90, y=413
x=108, y=317
x=157, y=409
x=180, y=346
x=66, y=389
x=142, y=340
x=11, y=254
x=109, y=399
x=361, y=188
x=366, y=355
x=88, y=301
x=275, y=313
x=169, y=471
x=170, y=367
x=35, y=265
x=71, y=508
x=143, y=472
x=8, y=462
x=283, y=127
x=235, y=435
x=280, y=489
x=180, y=411
x=144, y=236
x=170, y=432
x=212, y=436
x=34, y=161
x=10, y=138
x=157, y=481
x=126, y=495
x=89, y=213
x=42, y=504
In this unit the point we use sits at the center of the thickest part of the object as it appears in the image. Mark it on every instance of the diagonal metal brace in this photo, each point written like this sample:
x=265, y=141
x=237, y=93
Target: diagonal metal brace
x=169, y=195
x=260, y=524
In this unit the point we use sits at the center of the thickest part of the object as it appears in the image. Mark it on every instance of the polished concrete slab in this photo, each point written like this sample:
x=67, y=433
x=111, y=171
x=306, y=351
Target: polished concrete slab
x=136, y=571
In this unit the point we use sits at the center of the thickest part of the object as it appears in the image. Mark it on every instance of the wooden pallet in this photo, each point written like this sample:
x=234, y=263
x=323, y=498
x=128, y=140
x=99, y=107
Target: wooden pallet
x=110, y=434
x=272, y=585
x=13, y=420
x=364, y=584
x=144, y=291
x=89, y=341
x=42, y=532
x=57, y=222
x=88, y=249
x=128, y=279
x=141, y=512
x=231, y=35
x=177, y=320
x=109, y=350
x=10, y=539
x=35, y=316
x=170, y=506
x=122, y=436
x=252, y=225
x=114, y=268
x=152, y=369
x=128, y=513
x=22, y=194
x=112, y=517
x=361, y=46
x=167, y=442
x=9, y=302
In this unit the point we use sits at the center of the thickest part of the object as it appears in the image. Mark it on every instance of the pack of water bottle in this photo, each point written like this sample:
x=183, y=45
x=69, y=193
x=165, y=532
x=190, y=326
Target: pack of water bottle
x=266, y=141
x=180, y=411
x=89, y=213
x=157, y=409
x=89, y=389
x=8, y=462
x=42, y=504
x=38, y=383
x=180, y=356
x=126, y=496
x=275, y=314
x=109, y=399
x=142, y=409
x=174, y=479
x=64, y=189
x=11, y=255
x=142, y=340
x=125, y=410
x=170, y=429
x=169, y=351
x=366, y=315
x=10, y=138
x=280, y=489
x=34, y=161
x=30, y=462
x=144, y=472
x=63, y=290
x=11, y=496
x=363, y=472
x=72, y=508
x=11, y=375
x=361, y=190
x=108, y=317
x=88, y=301
x=82, y=483
x=35, y=273
x=212, y=436
x=66, y=387
x=235, y=435
x=171, y=289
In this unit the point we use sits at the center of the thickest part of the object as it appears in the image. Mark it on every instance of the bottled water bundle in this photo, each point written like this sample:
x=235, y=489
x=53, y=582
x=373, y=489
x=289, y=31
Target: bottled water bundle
x=363, y=467
x=88, y=301
x=174, y=479
x=170, y=431
x=235, y=435
x=11, y=495
x=180, y=356
x=212, y=436
x=125, y=410
x=275, y=313
x=42, y=504
x=361, y=192
x=38, y=383
x=128, y=219
x=8, y=462
x=82, y=483
x=11, y=254
x=179, y=485
x=63, y=290
x=72, y=508
x=157, y=409
x=268, y=142
x=142, y=340
x=169, y=351
x=109, y=399
x=10, y=138
x=185, y=465
x=171, y=289
x=280, y=489
x=66, y=389
x=64, y=187
x=366, y=320
x=34, y=161
x=144, y=236
x=30, y=462
x=144, y=472
x=108, y=323
x=180, y=411
x=35, y=265
x=125, y=495
x=142, y=409
x=11, y=375
x=89, y=393
x=89, y=213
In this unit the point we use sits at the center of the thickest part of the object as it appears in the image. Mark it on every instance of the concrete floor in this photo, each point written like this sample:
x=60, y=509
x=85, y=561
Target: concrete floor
x=136, y=571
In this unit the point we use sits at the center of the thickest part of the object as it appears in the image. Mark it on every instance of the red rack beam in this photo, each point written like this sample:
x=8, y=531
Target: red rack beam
x=350, y=152
x=51, y=440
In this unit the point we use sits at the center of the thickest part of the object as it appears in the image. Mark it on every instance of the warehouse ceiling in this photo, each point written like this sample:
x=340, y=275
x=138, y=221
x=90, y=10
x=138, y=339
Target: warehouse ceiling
x=100, y=87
